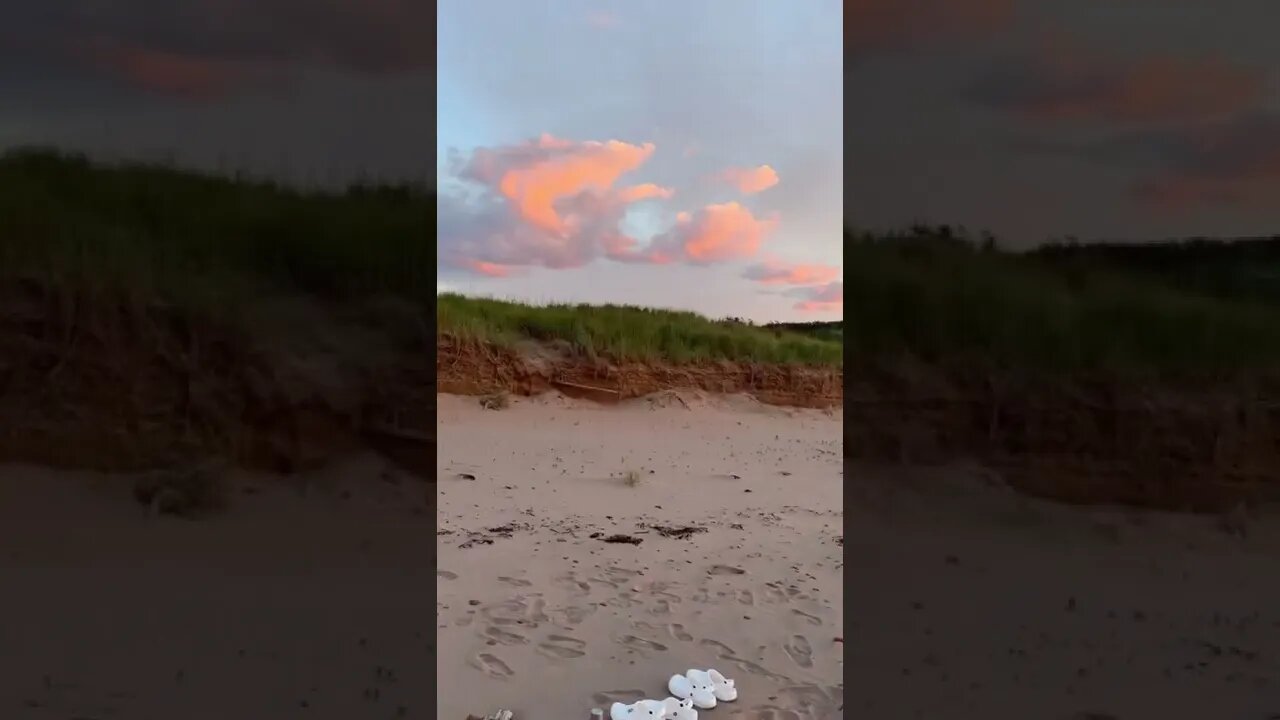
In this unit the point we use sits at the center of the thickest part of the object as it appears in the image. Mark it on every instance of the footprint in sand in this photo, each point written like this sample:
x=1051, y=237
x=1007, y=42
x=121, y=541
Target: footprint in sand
x=447, y=575
x=492, y=666
x=746, y=597
x=639, y=643
x=574, y=615
x=757, y=669
x=723, y=650
x=725, y=570
x=678, y=632
x=562, y=647
x=662, y=607
x=811, y=619
x=517, y=582
x=572, y=583
x=504, y=637
x=799, y=650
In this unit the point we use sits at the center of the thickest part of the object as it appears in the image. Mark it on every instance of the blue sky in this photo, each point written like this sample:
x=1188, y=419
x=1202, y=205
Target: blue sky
x=726, y=125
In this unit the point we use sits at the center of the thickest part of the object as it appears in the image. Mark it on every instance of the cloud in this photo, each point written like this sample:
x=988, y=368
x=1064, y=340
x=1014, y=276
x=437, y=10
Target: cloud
x=551, y=202
x=1067, y=84
x=820, y=298
x=716, y=233
x=646, y=191
x=773, y=272
x=890, y=25
x=750, y=180
x=1232, y=163
x=194, y=48
x=539, y=174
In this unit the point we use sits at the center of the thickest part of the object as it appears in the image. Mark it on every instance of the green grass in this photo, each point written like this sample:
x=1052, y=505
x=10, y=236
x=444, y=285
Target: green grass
x=939, y=299
x=209, y=240
x=629, y=333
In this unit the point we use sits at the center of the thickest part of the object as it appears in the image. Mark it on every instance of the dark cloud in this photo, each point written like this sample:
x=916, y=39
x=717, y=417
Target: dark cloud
x=1228, y=164
x=198, y=48
x=1071, y=85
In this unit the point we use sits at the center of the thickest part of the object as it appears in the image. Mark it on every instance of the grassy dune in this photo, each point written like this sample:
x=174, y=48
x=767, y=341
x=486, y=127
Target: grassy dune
x=630, y=333
x=938, y=299
x=208, y=240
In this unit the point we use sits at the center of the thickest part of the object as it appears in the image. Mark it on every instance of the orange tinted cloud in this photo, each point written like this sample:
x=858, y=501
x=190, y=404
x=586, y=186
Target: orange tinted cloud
x=548, y=202
x=1068, y=84
x=717, y=233
x=822, y=298
x=751, y=180
x=539, y=174
x=644, y=192
x=488, y=269
x=773, y=272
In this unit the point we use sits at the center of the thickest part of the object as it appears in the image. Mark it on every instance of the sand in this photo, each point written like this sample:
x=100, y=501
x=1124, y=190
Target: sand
x=542, y=618
x=964, y=600
x=967, y=600
x=288, y=606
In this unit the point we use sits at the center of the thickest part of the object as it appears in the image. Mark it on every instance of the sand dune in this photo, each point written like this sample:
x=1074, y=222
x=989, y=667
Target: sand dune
x=537, y=613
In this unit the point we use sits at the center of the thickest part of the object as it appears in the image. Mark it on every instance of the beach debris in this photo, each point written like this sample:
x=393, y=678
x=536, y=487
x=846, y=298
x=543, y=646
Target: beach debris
x=631, y=478
x=496, y=401
x=621, y=538
x=679, y=532
x=189, y=491
x=597, y=714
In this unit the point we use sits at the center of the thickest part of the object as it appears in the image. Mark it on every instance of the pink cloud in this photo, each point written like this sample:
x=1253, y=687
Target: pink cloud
x=773, y=272
x=537, y=175
x=717, y=233
x=646, y=191
x=489, y=269
x=556, y=203
x=822, y=298
x=750, y=180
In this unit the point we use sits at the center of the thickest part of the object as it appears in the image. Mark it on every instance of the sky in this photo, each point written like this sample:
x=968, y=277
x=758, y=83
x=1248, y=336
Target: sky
x=310, y=91
x=1043, y=119
x=683, y=155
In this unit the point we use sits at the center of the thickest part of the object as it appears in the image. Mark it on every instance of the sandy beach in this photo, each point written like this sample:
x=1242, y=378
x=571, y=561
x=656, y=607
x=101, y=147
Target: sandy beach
x=297, y=603
x=538, y=614
x=967, y=600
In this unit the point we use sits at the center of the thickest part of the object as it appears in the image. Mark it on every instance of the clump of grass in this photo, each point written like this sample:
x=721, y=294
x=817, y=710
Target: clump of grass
x=496, y=401
x=631, y=478
x=630, y=333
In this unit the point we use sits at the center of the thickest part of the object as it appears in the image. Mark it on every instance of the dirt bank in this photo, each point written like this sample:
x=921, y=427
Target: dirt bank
x=469, y=368
x=1192, y=443
x=107, y=382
